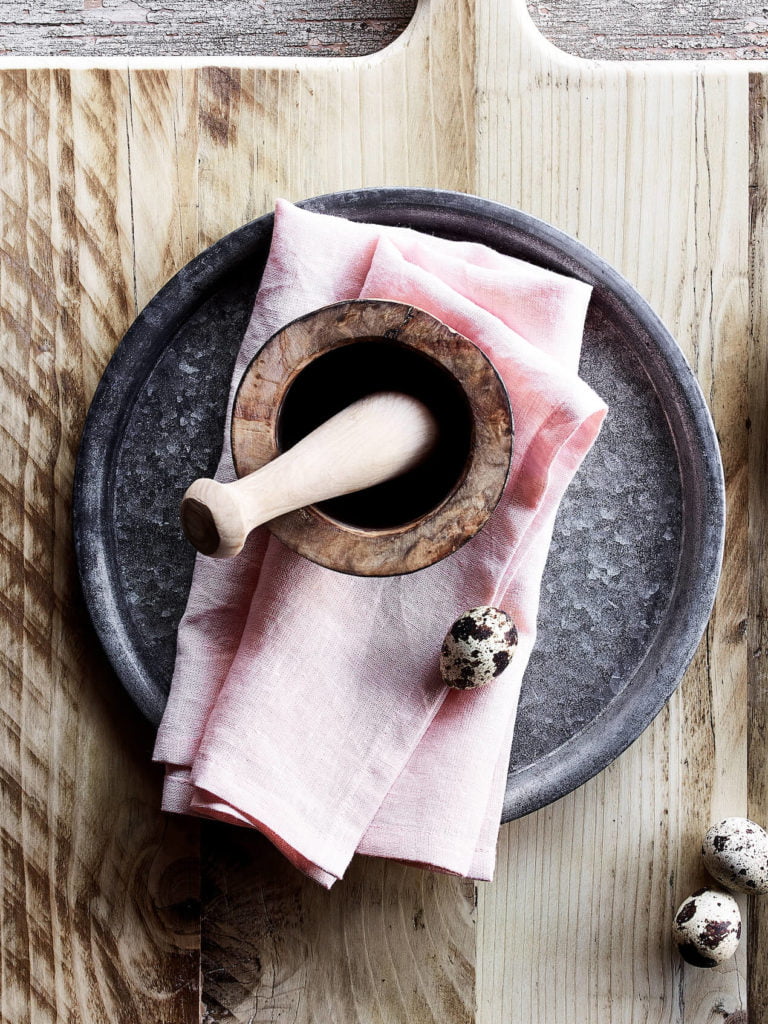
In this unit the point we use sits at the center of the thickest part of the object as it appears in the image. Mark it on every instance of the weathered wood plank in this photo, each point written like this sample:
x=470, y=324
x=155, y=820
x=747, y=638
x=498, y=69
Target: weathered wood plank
x=654, y=29
x=111, y=180
x=98, y=918
x=353, y=954
x=577, y=924
x=390, y=944
x=610, y=29
x=757, y=426
x=138, y=27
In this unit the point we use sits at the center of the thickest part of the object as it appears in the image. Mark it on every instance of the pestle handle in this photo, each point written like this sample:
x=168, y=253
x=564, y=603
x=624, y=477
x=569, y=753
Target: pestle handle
x=372, y=440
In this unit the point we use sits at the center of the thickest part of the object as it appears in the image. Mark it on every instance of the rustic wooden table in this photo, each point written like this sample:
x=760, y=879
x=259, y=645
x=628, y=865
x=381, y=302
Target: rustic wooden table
x=112, y=179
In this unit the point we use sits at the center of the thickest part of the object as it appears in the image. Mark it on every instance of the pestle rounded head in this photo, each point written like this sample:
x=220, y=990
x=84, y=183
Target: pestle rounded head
x=211, y=519
x=199, y=526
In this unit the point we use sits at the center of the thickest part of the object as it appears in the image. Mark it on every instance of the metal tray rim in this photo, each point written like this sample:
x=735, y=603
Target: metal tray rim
x=608, y=735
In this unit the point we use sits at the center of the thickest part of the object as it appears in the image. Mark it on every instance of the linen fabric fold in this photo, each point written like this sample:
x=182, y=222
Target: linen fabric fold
x=307, y=703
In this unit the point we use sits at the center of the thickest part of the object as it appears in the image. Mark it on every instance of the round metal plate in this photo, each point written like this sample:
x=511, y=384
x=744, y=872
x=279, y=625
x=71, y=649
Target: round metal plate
x=637, y=546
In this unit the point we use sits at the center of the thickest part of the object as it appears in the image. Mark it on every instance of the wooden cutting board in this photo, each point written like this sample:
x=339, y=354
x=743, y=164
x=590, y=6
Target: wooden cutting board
x=112, y=178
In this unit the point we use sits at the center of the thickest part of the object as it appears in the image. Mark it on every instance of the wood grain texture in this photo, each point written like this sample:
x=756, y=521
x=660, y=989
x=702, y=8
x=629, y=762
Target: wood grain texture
x=649, y=166
x=757, y=425
x=608, y=29
x=655, y=29
x=99, y=915
x=111, y=180
x=350, y=124
x=392, y=944
x=165, y=27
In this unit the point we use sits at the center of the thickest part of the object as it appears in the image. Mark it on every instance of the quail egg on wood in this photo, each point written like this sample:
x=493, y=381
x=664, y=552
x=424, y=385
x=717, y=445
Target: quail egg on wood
x=707, y=927
x=478, y=647
x=735, y=852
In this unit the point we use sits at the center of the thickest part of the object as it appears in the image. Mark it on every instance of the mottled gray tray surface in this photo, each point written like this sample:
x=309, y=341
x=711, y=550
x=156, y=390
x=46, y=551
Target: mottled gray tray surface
x=636, y=552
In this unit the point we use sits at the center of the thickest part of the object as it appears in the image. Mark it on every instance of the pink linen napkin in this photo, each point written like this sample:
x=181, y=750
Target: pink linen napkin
x=307, y=703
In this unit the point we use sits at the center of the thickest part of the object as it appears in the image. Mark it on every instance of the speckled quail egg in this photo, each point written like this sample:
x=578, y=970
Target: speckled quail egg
x=735, y=852
x=478, y=647
x=707, y=927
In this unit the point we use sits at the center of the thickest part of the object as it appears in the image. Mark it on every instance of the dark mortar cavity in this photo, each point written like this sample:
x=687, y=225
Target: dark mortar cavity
x=336, y=379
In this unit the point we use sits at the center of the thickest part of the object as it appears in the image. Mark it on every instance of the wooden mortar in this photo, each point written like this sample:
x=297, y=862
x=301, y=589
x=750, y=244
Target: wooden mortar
x=321, y=363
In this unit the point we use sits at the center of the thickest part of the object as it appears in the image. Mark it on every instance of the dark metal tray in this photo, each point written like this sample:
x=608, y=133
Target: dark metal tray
x=637, y=546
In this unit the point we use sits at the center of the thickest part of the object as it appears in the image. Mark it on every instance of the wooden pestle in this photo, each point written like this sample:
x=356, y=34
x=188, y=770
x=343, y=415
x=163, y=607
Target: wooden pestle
x=373, y=440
